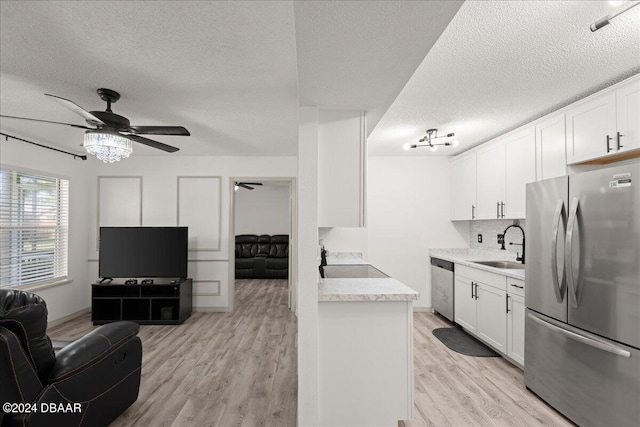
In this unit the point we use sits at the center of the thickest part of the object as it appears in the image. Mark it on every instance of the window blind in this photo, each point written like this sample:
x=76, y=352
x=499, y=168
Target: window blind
x=34, y=228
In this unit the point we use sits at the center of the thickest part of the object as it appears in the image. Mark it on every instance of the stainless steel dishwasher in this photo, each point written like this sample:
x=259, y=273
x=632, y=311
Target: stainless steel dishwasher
x=442, y=287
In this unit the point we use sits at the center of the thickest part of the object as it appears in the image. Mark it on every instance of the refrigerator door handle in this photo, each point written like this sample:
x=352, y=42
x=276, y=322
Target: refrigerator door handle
x=592, y=342
x=559, y=288
x=568, y=254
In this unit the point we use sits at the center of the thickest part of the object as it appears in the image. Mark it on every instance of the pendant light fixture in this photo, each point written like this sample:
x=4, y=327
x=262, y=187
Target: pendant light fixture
x=427, y=141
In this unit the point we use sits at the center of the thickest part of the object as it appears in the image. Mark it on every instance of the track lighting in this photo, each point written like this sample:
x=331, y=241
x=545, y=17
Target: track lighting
x=427, y=141
x=606, y=20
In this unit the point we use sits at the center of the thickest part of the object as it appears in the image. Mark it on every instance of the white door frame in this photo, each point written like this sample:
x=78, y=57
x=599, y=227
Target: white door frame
x=293, y=236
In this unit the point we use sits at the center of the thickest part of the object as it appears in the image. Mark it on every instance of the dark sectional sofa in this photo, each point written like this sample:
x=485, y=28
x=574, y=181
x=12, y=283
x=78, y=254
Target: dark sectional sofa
x=262, y=257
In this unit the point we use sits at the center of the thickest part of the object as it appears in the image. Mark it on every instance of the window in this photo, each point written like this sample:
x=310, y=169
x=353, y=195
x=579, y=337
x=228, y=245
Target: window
x=34, y=228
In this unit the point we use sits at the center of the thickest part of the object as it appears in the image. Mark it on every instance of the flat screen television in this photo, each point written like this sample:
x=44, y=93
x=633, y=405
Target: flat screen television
x=143, y=252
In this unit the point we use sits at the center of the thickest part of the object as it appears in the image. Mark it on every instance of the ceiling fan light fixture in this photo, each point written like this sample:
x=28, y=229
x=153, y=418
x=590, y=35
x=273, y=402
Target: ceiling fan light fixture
x=108, y=146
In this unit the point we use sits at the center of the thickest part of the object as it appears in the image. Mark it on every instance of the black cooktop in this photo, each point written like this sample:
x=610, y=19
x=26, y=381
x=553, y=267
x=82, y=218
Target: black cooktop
x=352, y=271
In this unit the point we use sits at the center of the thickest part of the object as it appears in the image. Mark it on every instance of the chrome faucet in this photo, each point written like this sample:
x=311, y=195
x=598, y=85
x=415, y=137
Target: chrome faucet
x=504, y=238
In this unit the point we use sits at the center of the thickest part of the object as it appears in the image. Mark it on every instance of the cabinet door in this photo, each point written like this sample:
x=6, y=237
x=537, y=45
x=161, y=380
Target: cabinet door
x=464, y=303
x=341, y=167
x=490, y=184
x=492, y=316
x=463, y=187
x=551, y=148
x=520, y=169
x=588, y=126
x=628, y=116
x=515, y=328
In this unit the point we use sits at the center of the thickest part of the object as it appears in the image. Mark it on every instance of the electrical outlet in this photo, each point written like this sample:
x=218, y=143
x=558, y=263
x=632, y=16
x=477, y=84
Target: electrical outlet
x=479, y=238
x=500, y=239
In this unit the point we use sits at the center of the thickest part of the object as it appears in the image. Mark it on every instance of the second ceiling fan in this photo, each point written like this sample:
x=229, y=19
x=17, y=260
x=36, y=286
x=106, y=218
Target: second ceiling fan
x=247, y=185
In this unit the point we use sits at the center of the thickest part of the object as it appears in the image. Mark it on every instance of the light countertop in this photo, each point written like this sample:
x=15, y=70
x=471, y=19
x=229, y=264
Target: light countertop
x=361, y=289
x=465, y=256
x=371, y=289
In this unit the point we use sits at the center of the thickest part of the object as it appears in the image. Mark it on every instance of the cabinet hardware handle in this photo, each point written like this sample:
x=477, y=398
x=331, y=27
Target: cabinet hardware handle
x=516, y=286
x=507, y=304
x=501, y=209
x=497, y=209
x=472, y=290
x=608, y=145
x=477, y=291
x=618, y=136
x=473, y=212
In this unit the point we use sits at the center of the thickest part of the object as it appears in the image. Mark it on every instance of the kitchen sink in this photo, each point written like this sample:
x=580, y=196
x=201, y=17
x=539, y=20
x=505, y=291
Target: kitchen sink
x=502, y=264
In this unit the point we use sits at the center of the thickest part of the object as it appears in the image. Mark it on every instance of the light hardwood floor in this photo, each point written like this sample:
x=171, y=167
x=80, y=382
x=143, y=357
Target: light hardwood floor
x=451, y=389
x=217, y=369
x=239, y=369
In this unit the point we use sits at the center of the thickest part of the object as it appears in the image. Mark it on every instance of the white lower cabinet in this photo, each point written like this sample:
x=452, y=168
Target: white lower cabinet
x=491, y=307
x=515, y=328
x=464, y=303
x=515, y=320
x=491, y=316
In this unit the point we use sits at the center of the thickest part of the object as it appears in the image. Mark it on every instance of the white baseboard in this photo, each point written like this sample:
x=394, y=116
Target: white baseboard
x=71, y=316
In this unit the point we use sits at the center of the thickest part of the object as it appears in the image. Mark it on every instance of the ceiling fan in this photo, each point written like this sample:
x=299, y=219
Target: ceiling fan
x=110, y=136
x=247, y=185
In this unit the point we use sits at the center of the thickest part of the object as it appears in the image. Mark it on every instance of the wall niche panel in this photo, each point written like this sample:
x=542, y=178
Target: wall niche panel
x=199, y=208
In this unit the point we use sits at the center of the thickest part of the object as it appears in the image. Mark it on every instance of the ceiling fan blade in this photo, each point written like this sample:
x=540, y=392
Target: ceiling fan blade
x=243, y=185
x=252, y=183
x=77, y=109
x=152, y=143
x=159, y=130
x=46, y=121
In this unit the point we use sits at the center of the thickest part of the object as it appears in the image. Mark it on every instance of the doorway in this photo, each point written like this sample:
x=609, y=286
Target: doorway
x=264, y=207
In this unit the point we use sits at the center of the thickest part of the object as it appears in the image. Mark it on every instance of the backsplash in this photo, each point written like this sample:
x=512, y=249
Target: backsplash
x=490, y=230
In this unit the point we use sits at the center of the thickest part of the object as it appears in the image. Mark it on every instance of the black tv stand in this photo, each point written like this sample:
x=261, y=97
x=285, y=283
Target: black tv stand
x=148, y=304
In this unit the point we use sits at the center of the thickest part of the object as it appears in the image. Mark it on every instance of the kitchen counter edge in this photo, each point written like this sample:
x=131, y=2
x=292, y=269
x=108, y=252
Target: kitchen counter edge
x=461, y=256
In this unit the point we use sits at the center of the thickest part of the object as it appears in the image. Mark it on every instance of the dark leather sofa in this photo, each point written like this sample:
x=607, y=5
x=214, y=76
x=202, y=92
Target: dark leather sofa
x=87, y=382
x=262, y=257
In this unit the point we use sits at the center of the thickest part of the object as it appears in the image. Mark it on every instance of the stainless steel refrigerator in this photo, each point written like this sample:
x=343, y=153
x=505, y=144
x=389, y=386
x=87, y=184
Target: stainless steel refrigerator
x=582, y=328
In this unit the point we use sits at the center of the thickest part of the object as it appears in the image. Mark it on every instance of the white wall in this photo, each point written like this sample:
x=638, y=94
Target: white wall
x=307, y=281
x=345, y=239
x=179, y=190
x=408, y=213
x=70, y=298
x=263, y=210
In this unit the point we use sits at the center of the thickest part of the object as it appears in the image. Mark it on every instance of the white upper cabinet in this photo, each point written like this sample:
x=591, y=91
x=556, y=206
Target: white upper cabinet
x=463, y=187
x=341, y=168
x=606, y=124
x=604, y=127
x=520, y=169
x=550, y=148
x=490, y=180
x=628, y=115
x=591, y=128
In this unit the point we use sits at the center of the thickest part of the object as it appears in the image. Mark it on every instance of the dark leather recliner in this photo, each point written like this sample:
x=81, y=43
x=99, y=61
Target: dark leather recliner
x=262, y=257
x=88, y=382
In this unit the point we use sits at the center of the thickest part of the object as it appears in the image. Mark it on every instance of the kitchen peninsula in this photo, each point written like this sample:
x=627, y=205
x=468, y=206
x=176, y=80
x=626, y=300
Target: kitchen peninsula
x=365, y=345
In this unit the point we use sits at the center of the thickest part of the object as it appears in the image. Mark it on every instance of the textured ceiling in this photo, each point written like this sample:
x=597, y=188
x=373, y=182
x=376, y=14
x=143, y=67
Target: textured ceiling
x=224, y=70
x=358, y=55
x=501, y=64
x=227, y=71
x=234, y=73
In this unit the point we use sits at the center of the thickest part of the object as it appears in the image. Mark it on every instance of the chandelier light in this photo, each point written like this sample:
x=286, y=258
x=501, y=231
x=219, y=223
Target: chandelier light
x=426, y=141
x=108, y=146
